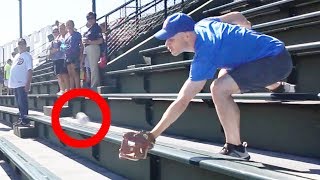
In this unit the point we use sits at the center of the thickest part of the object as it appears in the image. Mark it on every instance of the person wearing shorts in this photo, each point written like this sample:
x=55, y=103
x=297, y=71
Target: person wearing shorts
x=58, y=58
x=73, y=52
x=248, y=60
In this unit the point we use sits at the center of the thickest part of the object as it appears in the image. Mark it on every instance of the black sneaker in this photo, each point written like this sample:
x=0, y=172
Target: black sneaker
x=284, y=88
x=17, y=122
x=239, y=151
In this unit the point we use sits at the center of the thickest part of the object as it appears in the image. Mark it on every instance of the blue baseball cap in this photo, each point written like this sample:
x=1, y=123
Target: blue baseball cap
x=175, y=23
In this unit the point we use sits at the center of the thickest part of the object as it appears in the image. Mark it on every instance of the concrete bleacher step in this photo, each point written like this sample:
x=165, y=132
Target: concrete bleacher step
x=269, y=11
x=136, y=66
x=25, y=131
x=106, y=89
x=42, y=70
x=45, y=87
x=43, y=77
x=193, y=159
x=7, y=172
x=259, y=114
x=38, y=159
x=65, y=111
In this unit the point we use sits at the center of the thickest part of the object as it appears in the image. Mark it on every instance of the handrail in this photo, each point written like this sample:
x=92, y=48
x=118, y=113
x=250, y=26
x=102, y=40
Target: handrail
x=132, y=26
x=115, y=10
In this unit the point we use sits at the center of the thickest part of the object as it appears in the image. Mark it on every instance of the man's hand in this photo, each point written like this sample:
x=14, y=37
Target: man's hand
x=29, y=79
x=135, y=145
x=27, y=88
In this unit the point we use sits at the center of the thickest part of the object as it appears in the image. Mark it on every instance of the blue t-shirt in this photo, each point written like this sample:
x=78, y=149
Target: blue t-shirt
x=59, y=54
x=94, y=32
x=223, y=45
x=73, y=43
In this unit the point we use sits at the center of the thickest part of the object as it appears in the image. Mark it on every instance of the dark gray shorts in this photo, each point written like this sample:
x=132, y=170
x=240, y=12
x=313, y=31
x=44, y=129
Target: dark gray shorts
x=263, y=72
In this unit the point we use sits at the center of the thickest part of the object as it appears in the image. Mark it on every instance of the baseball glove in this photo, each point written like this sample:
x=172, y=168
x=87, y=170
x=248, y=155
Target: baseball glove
x=135, y=145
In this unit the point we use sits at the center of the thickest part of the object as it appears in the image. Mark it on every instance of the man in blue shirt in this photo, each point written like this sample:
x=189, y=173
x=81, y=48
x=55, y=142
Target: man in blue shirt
x=248, y=61
x=92, y=42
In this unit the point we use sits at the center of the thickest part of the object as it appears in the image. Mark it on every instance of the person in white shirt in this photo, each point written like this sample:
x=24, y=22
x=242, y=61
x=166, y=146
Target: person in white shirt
x=20, y=80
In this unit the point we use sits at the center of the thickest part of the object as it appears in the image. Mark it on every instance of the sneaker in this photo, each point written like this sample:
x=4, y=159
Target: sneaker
x=239, y=151
x=60, y=93
x=17, y=122
x=21, y=123
x=285, y=88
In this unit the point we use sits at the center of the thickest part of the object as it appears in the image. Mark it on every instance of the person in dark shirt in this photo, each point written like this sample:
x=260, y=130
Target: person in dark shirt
x=73, y=52
x=92, y=41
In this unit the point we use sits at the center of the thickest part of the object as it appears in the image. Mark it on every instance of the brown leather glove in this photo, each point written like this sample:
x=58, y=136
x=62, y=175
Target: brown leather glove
x=135, y=145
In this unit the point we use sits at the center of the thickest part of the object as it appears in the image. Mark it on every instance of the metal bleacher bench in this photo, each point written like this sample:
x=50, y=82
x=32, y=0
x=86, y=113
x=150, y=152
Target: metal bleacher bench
x=260, y=10
x=276, y=7
x=291, y=22
x=227, y=7
x=43, y=70
x=43, y=76
x=44, y=82
x=29, y=167
x=300, y=49
x=207, y=96
x=213, y=162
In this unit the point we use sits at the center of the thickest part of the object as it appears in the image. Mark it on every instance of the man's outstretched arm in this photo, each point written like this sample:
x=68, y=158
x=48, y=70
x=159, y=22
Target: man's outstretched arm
x=188, y=91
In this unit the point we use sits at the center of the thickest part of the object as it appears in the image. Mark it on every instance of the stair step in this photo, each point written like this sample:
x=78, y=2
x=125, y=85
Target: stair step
x=7, y=172
x=65, y=111
x=38, y=159
x=106, y=89
x=136, y=66
x=25, y=132
x=182, y=150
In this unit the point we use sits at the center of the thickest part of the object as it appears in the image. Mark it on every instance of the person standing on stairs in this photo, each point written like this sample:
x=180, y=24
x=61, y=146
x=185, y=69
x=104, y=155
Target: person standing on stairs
x=58, y=58
x=248, y=60
x=7, y=69
x=20, y=80
x=1, y=81
x=92, y=40
x=73, y=54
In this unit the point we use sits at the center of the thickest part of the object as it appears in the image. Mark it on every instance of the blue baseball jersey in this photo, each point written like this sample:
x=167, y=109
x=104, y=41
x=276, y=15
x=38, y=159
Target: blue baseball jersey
x=223, y=45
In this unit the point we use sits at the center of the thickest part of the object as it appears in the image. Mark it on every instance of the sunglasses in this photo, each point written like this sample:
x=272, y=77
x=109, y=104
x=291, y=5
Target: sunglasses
x=88, y=18
x=55, y=31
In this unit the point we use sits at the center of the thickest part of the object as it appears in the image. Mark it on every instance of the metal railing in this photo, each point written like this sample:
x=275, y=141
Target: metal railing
x=132, y=20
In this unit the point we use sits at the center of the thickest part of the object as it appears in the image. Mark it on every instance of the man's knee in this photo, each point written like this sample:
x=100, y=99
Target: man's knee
x=217, y=87
x=223, y=86
x=222, y=72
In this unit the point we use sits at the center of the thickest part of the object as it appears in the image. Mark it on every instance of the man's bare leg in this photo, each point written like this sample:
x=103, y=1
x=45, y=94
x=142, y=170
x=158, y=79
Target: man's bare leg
x=227, y=110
